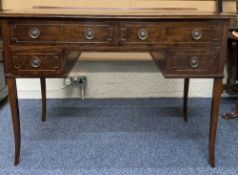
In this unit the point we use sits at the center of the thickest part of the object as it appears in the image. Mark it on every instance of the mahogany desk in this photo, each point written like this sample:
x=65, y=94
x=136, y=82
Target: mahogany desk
x=41, y=43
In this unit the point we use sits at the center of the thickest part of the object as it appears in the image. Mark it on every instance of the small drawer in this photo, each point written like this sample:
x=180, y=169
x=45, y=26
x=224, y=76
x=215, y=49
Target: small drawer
x=163, y=32
x=189, y=62
x=38, y=62
x=64, y=32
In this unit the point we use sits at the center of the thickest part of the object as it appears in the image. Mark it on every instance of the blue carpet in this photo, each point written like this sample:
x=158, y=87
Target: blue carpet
x=118, y=137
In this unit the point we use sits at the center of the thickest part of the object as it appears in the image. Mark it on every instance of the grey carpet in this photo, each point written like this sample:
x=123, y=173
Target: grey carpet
x=118, y=137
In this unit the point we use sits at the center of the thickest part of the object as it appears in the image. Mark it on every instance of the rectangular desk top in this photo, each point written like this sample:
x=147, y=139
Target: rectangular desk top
x=141, y=13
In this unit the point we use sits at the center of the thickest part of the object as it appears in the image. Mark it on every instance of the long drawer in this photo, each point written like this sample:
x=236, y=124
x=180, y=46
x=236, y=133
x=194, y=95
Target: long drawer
x=155, y=33
x=38, y=32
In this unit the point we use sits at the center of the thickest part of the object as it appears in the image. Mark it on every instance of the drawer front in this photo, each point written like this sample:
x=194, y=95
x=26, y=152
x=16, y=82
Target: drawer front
x=37, y=62
x=58, y=33
x=202, y=62
x=165, y=32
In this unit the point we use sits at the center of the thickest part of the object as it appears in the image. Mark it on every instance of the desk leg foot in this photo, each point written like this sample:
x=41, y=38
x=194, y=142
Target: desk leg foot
x=185, y=99
x=216, y=96
x=232, y=114
x=43, y=94
x=11, y=82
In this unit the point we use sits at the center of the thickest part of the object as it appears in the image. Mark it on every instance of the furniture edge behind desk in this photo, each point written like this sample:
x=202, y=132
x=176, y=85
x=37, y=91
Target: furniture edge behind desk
x=47, y=45
x=3, y=87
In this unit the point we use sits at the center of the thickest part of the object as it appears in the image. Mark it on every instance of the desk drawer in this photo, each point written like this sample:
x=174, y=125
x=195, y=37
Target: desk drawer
x=37, y=62
x=189, y=62
x=65, y=32
x=165, y=32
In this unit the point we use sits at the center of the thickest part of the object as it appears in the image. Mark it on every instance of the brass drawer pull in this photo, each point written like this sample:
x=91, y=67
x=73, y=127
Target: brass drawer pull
x=143, y=34
x=89, y=34
x=34, y=33
x=197, y=34
x=36, y=62
x=194, y=62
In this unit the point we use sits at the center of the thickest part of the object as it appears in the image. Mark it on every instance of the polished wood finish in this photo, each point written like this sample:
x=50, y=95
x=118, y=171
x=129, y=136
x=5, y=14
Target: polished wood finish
x=166, y=32
x=179, y=63
x=216, y=95
x=12, y=90
x=11, y=82
x=43, y=45
x=50, y=62
x=185, y=99
x=43, y=95
x=56, y=32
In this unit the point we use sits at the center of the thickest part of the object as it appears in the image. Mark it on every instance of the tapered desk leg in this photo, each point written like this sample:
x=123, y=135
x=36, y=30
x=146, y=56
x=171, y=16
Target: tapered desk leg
x=216, y=96
x=11, y=82
x=185, y=99
x=43, y=94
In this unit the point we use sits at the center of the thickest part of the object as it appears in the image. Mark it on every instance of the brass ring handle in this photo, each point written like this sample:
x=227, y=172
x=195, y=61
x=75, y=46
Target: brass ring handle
x=197, y=34
x=89, y=34
x=194, y=62
x=143, y=34
x=34, y=33
x=235, y=34
x=36, y=62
